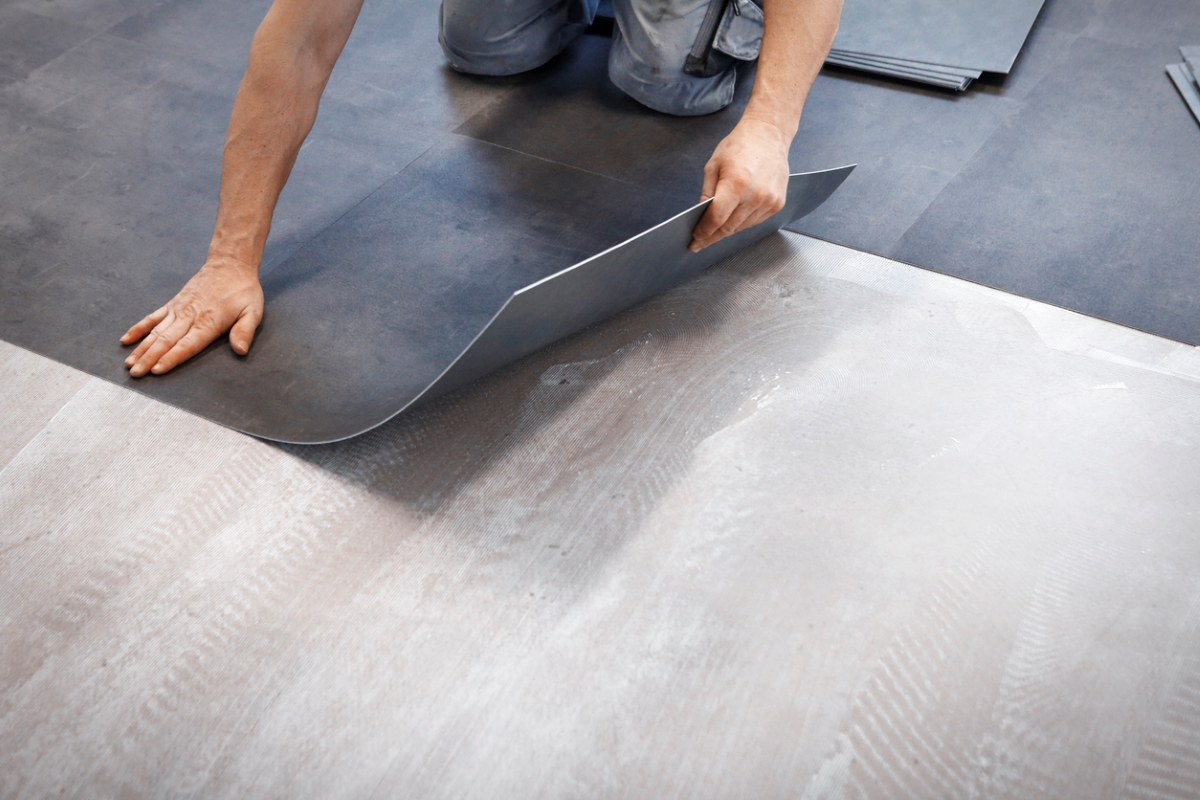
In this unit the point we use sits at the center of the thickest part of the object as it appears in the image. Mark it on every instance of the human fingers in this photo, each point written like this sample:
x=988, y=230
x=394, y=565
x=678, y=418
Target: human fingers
x=147, y=324
x=733, y=223
x=168, y=335
x=712, y=173
x=241, y=336
x=149, y=339
x=719, y=210
x=196, y=339
x=760, y=216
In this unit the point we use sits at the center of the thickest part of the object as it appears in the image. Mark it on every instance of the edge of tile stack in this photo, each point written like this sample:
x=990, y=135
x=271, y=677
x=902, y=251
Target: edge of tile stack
x=947, y=44
x=1184, y=77
x=939, y=75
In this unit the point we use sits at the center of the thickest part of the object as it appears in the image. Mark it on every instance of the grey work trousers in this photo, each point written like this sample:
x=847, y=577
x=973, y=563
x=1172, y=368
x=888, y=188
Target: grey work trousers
x=651, y=42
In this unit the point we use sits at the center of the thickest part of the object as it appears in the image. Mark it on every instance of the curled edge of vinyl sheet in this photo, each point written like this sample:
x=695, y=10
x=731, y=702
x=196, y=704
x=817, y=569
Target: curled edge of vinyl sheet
x=602, y=285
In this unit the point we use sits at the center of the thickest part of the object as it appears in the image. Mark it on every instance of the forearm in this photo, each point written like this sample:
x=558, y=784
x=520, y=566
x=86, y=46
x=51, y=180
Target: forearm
x=290, y=63
x=797, y=35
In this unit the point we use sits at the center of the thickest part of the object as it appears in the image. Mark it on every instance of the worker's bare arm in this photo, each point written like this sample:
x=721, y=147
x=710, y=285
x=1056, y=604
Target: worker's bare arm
x=293, y=53
x=747, y=174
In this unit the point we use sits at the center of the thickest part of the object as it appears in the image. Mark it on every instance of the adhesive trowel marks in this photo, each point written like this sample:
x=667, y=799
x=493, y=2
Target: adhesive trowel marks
x=470, y=258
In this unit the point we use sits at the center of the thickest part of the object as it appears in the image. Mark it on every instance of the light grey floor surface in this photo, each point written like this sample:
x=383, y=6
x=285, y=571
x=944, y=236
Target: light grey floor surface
x=814, y=525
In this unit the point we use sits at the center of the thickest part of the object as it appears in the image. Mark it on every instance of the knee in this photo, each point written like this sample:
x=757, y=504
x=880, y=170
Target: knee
x=462, y=37
x=670, y=91
x=482, y=37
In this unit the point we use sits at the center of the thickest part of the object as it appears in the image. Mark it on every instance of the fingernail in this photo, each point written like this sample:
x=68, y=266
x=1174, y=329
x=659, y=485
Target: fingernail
x=695, y=248
x=157, y=369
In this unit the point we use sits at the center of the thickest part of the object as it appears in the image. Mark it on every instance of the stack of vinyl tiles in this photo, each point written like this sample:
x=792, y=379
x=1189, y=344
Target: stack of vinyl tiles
x=943, y=43
x=1184, y=75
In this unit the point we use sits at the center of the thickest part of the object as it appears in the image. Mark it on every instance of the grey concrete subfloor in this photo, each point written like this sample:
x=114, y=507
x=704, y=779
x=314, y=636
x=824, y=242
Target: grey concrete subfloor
x=814, y=525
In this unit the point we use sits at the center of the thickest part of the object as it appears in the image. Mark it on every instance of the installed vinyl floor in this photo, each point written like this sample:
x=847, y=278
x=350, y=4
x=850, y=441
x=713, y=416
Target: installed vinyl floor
x=816, y=524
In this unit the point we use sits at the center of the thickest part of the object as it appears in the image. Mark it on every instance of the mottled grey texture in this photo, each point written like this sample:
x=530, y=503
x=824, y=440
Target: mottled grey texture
x=814, y=525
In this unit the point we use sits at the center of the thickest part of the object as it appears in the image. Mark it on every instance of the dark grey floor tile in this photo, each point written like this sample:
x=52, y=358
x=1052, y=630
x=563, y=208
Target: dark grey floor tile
x=358, y=320
x=574, y=115
x=371, y=311
x=1084, y=199
x=1070, y=16
x=76, y=264
x=37, y=159
x=86, y=82
x=95, y=14
x=1042, y=55
x=393, y=64
x=214, y=31
x=908, y=142
x=1163, y=25
x=350, y=153
x=169, y=121
x=28, y=40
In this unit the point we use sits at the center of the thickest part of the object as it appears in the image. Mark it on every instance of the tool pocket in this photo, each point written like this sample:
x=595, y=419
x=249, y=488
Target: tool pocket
x=731, y=31
x=741, y=29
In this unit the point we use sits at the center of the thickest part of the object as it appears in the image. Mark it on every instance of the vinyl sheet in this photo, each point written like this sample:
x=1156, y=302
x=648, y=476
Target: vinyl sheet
x=972, y=34
x=614, y=280
x=394, y=244
x=416, y=342
x=1185, y=82
x=361, y=320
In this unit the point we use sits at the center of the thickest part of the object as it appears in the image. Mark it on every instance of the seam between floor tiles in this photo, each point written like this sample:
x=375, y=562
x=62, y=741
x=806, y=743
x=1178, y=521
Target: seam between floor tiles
x=547, y=160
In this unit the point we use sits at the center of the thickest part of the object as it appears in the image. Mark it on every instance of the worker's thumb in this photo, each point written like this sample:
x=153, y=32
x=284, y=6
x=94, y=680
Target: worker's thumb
x=712, y=173
x=241, y=336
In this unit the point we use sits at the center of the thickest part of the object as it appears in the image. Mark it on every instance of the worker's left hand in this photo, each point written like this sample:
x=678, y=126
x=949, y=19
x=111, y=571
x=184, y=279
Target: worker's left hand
x=747, y=178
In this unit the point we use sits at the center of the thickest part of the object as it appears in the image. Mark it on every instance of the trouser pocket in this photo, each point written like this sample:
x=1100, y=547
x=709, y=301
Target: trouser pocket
x=731, y=31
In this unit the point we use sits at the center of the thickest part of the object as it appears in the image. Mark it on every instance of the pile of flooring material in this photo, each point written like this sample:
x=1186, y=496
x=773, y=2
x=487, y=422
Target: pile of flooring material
x=943, y=43
x=1184, y=76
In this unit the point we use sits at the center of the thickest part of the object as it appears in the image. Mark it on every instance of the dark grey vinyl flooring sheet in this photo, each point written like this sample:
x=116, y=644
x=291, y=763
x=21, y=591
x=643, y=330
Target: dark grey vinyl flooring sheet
x=447, y=282
x=419, y=207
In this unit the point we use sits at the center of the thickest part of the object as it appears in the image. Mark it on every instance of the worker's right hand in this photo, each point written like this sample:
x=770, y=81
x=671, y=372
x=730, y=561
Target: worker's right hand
x=224, y=295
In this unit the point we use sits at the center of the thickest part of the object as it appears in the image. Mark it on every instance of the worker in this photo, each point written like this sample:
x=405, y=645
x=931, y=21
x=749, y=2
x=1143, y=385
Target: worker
x=676, y=56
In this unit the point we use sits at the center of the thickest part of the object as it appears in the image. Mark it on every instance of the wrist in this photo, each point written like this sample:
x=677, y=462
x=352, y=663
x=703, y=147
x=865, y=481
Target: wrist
x=766, y=124
x=231, y=262
x=765, y=133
